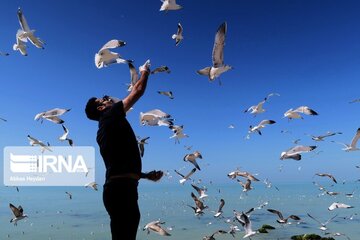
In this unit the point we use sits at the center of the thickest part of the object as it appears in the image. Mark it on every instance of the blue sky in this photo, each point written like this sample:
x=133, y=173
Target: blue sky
x=307, y=51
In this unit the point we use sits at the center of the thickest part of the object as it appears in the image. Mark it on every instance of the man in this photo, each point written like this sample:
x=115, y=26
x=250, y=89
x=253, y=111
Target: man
x=119, y=150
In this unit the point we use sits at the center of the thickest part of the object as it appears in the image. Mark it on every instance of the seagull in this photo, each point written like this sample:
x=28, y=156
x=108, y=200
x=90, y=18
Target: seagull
x=211, y=237
x=257, y=109
x=169, y=5
x=20, y=44
x=335, y=205
x=52, y=115
x=34, y=141
x=327, y=175
x=69, y=194
x=321, y=137
x=200, y=191
x=92, y=185
x=4, y=54
x=247, y=175
x=162, y=68
x=199, y=205
x=133, y=76
x=292, y=114
x=352, y=146
x=355, y=100
x=178, y=35
x=156, y=117
x=3, y=119
x=281, y=218
x=104, y=57
x=155, y=226
x=64, y=137
x=257, y=128
x=166, y=93
x=26, y=33
x=218, y=66
x=294, y=152
x=244, y=220
x=191, y=157
x=219, y=211
x=246, y=186
x=185, y=178
x=18, y=213
x=141, y=143
x=323, y=225
x=178, y=133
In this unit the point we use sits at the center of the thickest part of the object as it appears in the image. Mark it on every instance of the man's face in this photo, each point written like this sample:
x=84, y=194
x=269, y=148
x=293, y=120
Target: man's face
x=104, y=102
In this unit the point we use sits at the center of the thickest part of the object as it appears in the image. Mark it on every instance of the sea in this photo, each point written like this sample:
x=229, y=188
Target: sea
x=53, y=215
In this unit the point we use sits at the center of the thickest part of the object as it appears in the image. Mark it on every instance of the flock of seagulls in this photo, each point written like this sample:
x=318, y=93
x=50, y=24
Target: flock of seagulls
x=156, y=117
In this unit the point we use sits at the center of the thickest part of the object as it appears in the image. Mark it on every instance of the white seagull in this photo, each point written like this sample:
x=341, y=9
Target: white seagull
x=27, y=33
x=160, y=69
x=191, y=157
x=352, y=146
x=323, y=225
x=92, y=185
x=166, y=93
x=18, y=213
x=155, y=226
x=178, y=132
x=294, y=152
x=104, y=57
x=292, y=114
x=20, y=44
x=134, y=76
x=34, y=141
x=169, y=5
x=156, y=117
x=336, y=205
x=218, y=66
x=64, y=137
x=281, y=219
x=185, y=178
x=257, y=109
x=321, y=137
x=178, y=35
x=141, y=143
x=246, y=223
x=52, y=115
x=257, y=128
x=219, y=211
x=200, y=191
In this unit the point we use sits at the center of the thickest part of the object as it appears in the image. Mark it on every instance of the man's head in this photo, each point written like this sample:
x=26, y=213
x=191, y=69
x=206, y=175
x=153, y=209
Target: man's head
x=96, y=106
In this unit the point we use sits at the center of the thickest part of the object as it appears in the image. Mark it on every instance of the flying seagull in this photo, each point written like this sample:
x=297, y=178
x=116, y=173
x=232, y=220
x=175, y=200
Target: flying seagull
x=18, y=213
x=327, y=175
x=26, y=33
x=20, y=44
x=34, y=141
x=104, y=57
x=92, y=185
x=244, y=220
x=166, y=93
x=218, y=66
x=200, y=191
x=141, y=143
x=155, y=226
x=292, y=114
x=160, y=69
x=156, y=117
x=178, y=132
x=321, y=137
x=134, y=76
x=191, y=157
x=352, y=146
x=257, y=128
x=52, y=115
x=257, y=109
x=169, y=5
x=178, y=35
x=219, y=211
x=294, y=152
x=281, y=218
x=212, y=236
x=336, y=205
x=64, y=137
x=185, y=178
x=323, y=225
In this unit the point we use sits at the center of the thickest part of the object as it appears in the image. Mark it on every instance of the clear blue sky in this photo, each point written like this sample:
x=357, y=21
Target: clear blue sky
x=307, y=51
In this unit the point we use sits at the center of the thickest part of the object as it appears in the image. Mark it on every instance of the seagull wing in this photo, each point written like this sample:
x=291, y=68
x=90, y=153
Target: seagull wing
x=23, y=23
x=113, y=44
x=218, y=49
x=276, y=212
x=133, y=74
x=306, y=110
x=16, y=211
x=355, y=139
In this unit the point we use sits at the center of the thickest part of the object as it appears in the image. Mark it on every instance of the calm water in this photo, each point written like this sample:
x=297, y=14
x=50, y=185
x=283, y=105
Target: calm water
x=52, y=215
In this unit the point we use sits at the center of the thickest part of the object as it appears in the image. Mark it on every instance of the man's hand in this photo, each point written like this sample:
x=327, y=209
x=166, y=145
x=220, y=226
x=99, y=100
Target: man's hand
x=154, y=175
x=145, y=67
